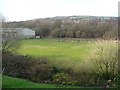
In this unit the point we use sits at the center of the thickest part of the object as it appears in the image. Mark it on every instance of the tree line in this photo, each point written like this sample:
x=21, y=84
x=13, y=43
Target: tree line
x=93, y=28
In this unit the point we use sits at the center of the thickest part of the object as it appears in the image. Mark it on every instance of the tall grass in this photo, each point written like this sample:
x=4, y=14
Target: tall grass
x=104, y=60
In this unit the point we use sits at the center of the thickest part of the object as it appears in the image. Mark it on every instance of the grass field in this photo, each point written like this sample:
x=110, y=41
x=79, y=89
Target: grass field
x=60, y=53
x=10, y=82
x=16, y=83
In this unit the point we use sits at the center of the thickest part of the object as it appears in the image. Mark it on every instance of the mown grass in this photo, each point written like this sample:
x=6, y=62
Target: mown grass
x=60, y=53
x=17, y=83
x=10, y=82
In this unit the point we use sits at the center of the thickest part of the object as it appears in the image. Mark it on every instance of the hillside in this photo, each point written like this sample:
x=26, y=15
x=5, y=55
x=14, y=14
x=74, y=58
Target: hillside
x=70, y=26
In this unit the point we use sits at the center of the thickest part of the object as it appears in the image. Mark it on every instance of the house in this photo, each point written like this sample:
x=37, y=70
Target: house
x=17, y=32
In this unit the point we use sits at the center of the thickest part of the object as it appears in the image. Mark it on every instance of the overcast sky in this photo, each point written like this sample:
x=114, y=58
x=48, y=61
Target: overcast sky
x=16, y=10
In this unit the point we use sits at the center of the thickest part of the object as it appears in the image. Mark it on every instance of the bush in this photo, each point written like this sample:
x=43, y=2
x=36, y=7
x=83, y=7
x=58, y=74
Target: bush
x=61, y=78
x=34, y=69
x=40, y=70
x=104, y=57
x=82, y=77
x=16, y=65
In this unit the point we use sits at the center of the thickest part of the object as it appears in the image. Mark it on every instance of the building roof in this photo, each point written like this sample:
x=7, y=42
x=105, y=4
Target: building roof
x=13, y=29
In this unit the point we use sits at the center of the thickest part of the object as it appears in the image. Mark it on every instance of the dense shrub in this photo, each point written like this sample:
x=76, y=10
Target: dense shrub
x=41, y=70
x=16, y=65
x=61, y=78
x=104, y=58
x=34, y=69
x=83, y=77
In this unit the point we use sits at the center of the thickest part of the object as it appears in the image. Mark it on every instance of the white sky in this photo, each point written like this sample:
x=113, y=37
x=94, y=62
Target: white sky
x=16, y=10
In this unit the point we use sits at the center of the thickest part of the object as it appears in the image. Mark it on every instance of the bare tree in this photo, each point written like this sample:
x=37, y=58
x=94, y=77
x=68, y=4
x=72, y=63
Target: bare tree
x=10, y=41
x=10, y=44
